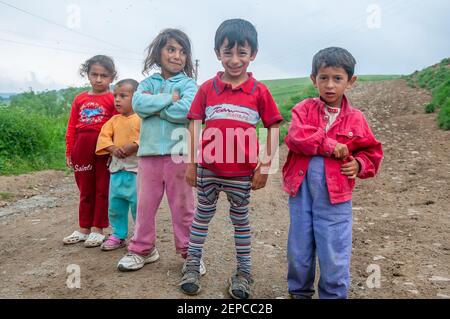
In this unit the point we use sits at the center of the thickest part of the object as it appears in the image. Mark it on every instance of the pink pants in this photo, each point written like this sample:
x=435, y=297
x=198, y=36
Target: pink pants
x=156, y=174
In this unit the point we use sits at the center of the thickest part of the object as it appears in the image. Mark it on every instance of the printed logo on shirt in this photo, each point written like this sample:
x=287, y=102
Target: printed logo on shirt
x=92, y=113
x=82, y=168
x=232, y=112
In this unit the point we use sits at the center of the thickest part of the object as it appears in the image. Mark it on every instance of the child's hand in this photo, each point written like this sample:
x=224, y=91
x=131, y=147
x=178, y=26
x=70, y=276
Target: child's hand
x=118, y=152
x=350, y=169
x=69, y=162
x=191, y=174
x=175, y=96
x=130, y=149
x=340, y=151
x=259, y=180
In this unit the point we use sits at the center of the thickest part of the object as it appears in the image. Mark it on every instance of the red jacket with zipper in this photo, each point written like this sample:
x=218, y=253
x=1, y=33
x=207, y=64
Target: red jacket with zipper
x=307, y=138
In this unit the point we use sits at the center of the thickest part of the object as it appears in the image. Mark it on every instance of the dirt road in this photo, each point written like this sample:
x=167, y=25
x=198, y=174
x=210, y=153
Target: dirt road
x=401, y=224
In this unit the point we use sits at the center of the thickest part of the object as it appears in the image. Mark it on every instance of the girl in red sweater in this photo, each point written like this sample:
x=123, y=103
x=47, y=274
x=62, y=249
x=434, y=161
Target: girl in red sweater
x=90, y=110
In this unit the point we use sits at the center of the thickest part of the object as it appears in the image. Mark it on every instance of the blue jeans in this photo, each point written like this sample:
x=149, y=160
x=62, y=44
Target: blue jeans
x=122, y=199
x=318, y=228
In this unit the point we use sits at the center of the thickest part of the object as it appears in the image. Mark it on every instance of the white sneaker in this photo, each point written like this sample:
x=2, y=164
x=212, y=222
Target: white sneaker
x=132, y=261
x=202, y=267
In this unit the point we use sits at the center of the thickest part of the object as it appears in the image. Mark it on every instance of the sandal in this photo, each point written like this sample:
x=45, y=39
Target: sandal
x=113, y=243
x=76, y=237
x=94, y=240
x=240, y=286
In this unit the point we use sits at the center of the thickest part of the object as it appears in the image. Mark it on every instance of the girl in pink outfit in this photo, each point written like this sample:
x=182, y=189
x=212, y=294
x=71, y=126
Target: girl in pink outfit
x=162, y=101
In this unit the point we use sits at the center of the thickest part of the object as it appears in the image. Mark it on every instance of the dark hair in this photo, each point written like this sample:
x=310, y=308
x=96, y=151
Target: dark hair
x=103, y=60
x=236, y=31
x=334, y=57
x=154, y=50
x=131, y=82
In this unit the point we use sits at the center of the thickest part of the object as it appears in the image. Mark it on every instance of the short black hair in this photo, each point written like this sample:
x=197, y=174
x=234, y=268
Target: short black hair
x=334, y=57
x=131, y=82
x=236, y=31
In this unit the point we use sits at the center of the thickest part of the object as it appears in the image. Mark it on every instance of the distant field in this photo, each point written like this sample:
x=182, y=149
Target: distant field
x=288, y=92
x=283, y=90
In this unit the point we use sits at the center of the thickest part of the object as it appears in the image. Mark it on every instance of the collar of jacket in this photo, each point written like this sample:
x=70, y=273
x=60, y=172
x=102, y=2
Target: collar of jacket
x=175, y=78
x=345, y=106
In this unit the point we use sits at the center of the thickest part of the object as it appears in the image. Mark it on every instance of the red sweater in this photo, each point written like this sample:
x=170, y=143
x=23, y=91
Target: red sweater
x=89, y=112
x=307, y=138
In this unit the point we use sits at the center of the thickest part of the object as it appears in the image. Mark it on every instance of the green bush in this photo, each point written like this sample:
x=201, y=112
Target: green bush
x=50, y=103
x=444, y=116
x=441, y=92
x=430, y=108
x=30, y=142
x=437, y=79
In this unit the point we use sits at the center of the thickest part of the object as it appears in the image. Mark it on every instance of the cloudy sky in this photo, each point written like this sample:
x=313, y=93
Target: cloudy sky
x=43, y=43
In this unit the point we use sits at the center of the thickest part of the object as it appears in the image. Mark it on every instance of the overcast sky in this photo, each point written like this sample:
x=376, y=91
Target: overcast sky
x=43, y=43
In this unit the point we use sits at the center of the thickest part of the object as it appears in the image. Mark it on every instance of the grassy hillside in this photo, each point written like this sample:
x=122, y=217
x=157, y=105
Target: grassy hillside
x=32, y=127
x=435, y=78
x=288, y=92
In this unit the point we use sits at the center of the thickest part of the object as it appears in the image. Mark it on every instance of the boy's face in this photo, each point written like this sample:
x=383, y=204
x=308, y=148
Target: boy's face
x=332, y=83
x=123, y=96
x=236, y=60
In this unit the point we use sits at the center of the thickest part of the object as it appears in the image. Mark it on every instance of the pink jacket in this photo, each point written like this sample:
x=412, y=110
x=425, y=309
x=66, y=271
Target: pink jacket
x=307, y=138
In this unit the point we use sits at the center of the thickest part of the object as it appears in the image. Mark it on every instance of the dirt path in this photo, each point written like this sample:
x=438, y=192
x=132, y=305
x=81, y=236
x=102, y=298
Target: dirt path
x=401, y=224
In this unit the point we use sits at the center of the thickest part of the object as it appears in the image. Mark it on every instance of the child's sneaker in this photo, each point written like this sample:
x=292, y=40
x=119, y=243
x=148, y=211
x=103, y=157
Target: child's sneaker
x=190, y=283
x=112, y=243
x=132, y=261
x=240, y=286
x=202, y=267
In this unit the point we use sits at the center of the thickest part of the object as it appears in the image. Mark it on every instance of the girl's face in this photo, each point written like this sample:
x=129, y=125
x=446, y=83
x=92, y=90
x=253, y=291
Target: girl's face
x=173, y=59
x=100, y=78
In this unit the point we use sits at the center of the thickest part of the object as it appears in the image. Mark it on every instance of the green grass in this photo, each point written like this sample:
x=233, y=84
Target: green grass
x=288, y=92
x=5, y=196
x=435, y=78
x=374, y=78
x=30, y=141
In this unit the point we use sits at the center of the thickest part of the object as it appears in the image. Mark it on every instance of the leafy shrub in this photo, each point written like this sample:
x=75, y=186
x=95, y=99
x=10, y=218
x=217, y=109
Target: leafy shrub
x=444, y=116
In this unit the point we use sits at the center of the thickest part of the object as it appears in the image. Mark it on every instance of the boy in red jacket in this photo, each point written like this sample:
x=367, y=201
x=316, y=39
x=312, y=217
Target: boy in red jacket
x=330, y=144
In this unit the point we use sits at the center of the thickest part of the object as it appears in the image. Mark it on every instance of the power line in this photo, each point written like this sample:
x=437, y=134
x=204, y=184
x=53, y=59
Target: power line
x=28, y=36
x=64, y=27
x=62, y=49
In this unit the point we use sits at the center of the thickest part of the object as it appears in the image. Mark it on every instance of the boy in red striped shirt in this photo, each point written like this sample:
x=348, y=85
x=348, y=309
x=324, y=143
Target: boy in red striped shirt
x=230, y=105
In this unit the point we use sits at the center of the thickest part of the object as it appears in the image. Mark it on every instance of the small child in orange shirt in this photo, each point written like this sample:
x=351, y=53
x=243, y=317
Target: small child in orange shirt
x=120, y=138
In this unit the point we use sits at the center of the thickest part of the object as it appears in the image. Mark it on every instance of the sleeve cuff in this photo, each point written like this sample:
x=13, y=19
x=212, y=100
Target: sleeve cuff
x=329, y=145
x=192, y=116
x=361, y=166
x=275, y=120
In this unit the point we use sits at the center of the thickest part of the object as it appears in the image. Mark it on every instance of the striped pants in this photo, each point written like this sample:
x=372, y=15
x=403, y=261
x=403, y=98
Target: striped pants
x=237, y=189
